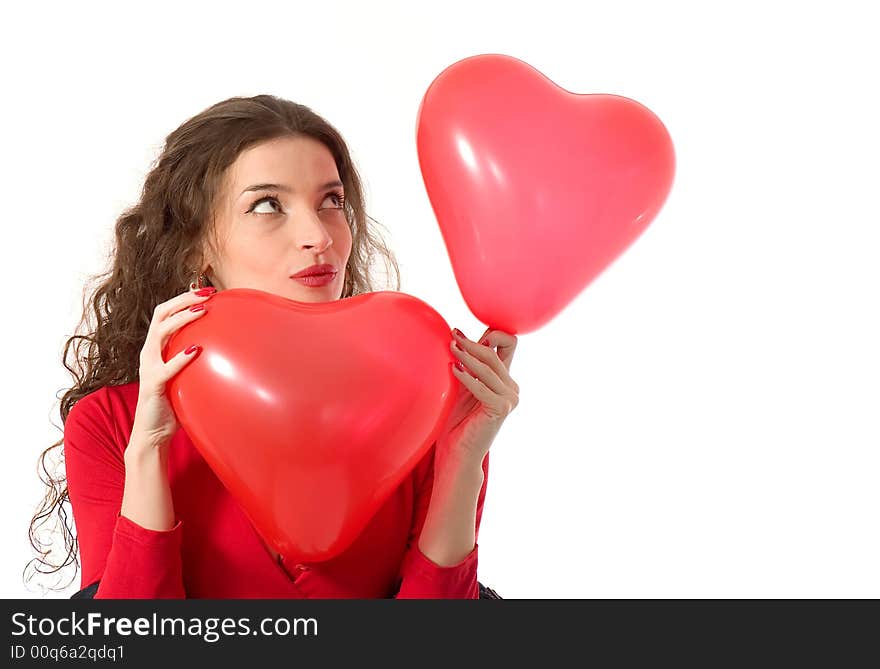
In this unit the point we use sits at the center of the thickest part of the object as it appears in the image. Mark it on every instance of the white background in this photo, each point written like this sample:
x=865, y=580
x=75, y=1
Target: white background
x=702, y=421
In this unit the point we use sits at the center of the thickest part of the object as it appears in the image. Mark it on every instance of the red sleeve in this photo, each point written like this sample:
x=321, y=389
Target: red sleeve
x=420, y=578
x=130, y=561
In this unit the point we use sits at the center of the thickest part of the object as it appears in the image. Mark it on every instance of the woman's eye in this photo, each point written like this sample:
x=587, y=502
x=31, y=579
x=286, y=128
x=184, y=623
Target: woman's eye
x=337, y=200
x=262, y=201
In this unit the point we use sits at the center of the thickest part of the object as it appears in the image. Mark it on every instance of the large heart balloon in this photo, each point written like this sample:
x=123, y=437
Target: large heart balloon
x=311, y=414
x=536, y=189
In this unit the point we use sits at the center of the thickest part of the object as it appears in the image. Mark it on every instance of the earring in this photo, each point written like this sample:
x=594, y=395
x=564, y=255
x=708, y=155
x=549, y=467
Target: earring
x=197, y=284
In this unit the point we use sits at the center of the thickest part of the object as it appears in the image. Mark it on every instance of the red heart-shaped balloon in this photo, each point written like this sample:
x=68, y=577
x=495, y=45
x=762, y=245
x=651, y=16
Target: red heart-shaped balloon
x=536, y=189
x=312, y=413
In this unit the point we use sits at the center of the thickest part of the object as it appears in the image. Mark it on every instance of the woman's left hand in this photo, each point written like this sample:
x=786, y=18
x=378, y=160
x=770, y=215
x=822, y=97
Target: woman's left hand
x=486, y=395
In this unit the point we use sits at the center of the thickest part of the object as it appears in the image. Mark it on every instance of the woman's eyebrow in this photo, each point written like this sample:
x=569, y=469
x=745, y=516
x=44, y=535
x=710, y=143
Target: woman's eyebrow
x=286, y=189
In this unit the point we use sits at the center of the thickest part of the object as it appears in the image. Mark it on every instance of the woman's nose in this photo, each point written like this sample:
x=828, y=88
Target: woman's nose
x=320, y=244
x=314, y=234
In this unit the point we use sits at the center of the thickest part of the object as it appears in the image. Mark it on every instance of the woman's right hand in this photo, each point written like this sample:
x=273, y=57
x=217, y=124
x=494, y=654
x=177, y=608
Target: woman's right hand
x=154, y=420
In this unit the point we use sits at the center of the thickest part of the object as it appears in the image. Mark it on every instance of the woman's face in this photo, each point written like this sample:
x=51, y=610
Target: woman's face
x=281, y=212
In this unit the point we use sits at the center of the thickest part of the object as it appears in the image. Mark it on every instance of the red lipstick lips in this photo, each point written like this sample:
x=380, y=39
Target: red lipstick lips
x=316, y=275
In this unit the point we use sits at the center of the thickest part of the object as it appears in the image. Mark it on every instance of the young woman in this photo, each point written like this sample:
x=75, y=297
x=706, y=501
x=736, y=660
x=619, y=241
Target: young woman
x=258, y=193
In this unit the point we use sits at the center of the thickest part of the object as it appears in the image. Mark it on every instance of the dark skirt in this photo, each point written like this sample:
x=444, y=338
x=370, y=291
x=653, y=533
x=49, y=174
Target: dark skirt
x=488, y=593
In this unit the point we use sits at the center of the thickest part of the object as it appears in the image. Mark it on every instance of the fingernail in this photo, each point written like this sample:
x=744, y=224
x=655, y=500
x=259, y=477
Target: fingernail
x=191, y=349
x=210, y=290
x=197, y=307
x=457, y=332
x=484, y=343
x=459, y=365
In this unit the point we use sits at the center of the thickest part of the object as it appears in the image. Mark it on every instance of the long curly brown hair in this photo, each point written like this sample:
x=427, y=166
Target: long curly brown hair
x=159, y=242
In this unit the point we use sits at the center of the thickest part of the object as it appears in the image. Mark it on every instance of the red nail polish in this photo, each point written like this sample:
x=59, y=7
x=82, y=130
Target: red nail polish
x=210, y=290
x=192, y=348
x=459, y=365
x=197, y=307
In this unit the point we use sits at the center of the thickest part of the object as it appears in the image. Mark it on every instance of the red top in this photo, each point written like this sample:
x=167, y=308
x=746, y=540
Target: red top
x=213, y=551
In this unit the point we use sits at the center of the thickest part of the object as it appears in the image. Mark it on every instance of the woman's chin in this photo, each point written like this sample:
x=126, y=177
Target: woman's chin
x=324, y=294
x=327, y=293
